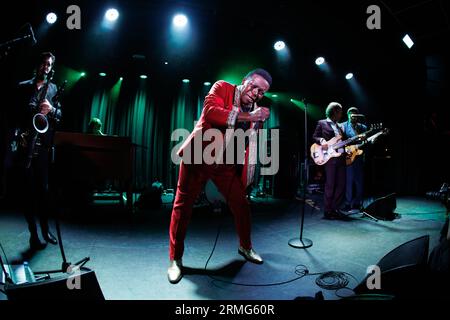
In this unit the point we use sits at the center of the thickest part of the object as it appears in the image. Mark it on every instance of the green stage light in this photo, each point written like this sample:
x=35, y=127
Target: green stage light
x=185, y=80
x=102, y=74
x=143, y=76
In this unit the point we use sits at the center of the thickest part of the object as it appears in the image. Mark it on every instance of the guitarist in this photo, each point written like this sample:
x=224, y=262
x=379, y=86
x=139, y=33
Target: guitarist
x=335, y=172
x=355, y=171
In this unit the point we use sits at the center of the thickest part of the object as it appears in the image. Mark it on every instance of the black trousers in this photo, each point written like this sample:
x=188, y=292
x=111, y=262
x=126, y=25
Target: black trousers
x=36, y=194
x=335, y=183
x=355, y=184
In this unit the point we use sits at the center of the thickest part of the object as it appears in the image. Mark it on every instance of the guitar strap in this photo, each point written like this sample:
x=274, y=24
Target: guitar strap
x=356, y=128
x=341, y=133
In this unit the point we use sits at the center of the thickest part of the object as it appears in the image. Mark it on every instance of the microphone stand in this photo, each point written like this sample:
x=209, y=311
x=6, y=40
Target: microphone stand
x=66, y=267
x=300, y=242
x=8, y=44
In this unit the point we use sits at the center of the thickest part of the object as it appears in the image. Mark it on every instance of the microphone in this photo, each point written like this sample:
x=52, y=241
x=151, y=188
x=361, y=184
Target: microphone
x=31, y=34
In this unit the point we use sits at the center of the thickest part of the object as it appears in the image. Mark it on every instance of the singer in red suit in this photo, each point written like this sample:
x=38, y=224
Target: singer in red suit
x=226, y=106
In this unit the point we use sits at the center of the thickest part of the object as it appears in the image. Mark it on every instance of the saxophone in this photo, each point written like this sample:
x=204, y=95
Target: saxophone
x=40, y=124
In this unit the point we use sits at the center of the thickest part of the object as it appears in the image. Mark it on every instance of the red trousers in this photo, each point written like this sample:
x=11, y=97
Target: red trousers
x=191, y=180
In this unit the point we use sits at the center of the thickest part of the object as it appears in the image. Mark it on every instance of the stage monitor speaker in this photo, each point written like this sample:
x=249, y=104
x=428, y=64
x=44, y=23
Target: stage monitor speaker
x=383, y=208
x=58, y=289
x=403, y=270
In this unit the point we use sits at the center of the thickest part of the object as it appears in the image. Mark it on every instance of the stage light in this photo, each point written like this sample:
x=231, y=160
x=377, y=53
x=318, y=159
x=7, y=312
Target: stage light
x=82, y=74
x=279, y=45
x=121, y=78
x=349, y=76
x=51, y=18
x=102, y=74
x=408, y=41
x=275, y=96
x=207, y=83
x=143, y=76
x=111, y=14
x=166, y=63
x=180, y=20
x=320, y=61
x=185, y=80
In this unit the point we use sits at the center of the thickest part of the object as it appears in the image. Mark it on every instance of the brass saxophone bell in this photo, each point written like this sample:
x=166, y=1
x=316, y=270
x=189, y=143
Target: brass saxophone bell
x=40, y=123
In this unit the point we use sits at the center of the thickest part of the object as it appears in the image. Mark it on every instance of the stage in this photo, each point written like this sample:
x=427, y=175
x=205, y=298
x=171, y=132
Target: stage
x=129, y=251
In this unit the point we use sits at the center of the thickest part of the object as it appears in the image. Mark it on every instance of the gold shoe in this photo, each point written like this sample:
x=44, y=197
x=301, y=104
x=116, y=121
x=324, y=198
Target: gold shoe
x=174, y=272
x=250, y=255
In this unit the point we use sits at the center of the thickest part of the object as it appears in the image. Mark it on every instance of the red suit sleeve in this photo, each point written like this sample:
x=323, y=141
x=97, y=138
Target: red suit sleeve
x=215, y=111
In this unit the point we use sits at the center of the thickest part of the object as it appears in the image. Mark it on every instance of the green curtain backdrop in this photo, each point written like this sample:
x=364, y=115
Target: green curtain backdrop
x=138, y=110
x=185, y=111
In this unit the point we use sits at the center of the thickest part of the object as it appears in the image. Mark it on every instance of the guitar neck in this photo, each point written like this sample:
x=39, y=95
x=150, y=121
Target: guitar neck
x=346, y=142
x=372, y=138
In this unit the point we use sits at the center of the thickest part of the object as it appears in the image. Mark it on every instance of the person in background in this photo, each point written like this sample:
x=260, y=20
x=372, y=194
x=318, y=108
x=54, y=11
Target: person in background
x=355, y=171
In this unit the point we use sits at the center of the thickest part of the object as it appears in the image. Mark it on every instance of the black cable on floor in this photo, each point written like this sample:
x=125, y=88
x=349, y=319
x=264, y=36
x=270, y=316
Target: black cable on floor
x=301, y=275
x=332, y=280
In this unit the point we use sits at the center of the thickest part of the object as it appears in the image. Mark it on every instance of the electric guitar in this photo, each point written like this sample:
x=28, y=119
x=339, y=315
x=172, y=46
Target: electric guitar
x=336, y=146
x=353, y=151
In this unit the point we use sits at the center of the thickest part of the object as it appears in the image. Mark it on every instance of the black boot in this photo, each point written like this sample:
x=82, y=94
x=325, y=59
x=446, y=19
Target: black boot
x=36, y=244
x=50, y=238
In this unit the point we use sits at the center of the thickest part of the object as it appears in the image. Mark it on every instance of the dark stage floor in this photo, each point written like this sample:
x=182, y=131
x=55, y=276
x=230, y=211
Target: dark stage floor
x=129, y=252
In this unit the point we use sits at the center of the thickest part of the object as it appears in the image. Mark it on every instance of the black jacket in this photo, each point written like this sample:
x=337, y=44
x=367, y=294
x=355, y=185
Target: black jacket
x=26, y=105
x=325, y=131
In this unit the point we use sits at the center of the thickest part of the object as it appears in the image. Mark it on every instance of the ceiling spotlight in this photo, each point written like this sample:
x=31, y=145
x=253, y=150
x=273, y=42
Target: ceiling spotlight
x=102, y=74
x=274, y=96
x=82, y=74
x=180, y=20
x=408, y=41
x=185, y=80
x=51, y=18
x=320, y=61
x=121, y=78
x=279, y=45
x=348, y=76
x=166, y=63
x=112, y=14
x=143, y=76
x=207, y=83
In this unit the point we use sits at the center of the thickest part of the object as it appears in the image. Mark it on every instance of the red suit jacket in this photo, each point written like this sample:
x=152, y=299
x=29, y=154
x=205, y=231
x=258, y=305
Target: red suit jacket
x=220, y=112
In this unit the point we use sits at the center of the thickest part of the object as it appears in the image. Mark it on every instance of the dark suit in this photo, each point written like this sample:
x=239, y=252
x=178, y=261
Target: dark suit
x=355, y=171
x=335, y=171
x=35, y=187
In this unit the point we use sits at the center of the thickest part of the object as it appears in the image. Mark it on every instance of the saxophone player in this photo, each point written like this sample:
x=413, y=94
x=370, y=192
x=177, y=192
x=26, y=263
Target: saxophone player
x=35, y=96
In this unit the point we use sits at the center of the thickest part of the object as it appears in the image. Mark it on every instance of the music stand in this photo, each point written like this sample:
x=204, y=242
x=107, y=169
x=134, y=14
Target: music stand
x=300, y=242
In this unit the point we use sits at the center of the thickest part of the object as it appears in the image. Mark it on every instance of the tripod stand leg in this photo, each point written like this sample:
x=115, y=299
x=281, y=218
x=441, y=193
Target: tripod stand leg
x=370, y=216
